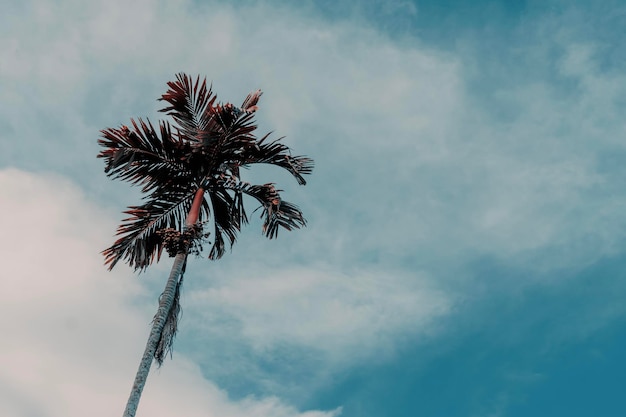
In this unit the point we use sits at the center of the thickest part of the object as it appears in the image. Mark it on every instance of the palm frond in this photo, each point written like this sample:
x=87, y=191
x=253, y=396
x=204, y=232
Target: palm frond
x=275, y=211
x=190, y=104
x=228, y=216
x=143, y=155
x=139, y=243
x=236, y=136
x=230, y=125
x=250, y=103
x=276, y=153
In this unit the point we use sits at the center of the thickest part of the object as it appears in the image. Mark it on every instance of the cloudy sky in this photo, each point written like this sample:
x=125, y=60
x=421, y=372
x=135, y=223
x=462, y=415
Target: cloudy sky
x=465, y=254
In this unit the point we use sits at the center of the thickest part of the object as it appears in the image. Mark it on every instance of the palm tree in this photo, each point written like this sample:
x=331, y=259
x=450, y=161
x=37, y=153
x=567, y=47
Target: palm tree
x=190, y=177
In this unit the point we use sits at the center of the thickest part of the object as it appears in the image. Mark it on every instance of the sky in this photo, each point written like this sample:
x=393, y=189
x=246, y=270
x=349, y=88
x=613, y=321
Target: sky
x=464, y=254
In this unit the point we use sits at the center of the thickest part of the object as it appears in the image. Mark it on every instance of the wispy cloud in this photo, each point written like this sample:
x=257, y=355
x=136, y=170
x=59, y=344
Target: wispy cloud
x=349, y=316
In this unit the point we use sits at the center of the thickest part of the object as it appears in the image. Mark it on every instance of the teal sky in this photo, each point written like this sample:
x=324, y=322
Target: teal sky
x=465, y=249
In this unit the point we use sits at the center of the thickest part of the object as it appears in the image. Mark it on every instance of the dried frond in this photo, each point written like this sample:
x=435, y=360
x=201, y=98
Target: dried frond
x=166, y=341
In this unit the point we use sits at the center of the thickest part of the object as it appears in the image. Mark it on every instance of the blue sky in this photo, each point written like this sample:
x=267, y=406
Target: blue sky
x=464, y=255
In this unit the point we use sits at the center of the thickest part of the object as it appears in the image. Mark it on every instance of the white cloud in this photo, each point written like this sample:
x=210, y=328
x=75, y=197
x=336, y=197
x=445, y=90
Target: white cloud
x=346, y=316
x=73, y=332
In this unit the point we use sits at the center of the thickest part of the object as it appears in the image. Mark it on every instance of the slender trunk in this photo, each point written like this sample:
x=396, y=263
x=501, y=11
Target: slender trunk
x=165, y=305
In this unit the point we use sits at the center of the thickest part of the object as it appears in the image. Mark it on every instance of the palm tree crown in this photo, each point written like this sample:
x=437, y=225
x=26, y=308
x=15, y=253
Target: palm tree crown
x=204, y=150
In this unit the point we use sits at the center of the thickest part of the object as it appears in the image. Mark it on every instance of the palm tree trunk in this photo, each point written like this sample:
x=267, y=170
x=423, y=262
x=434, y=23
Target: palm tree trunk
x=165, y=304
